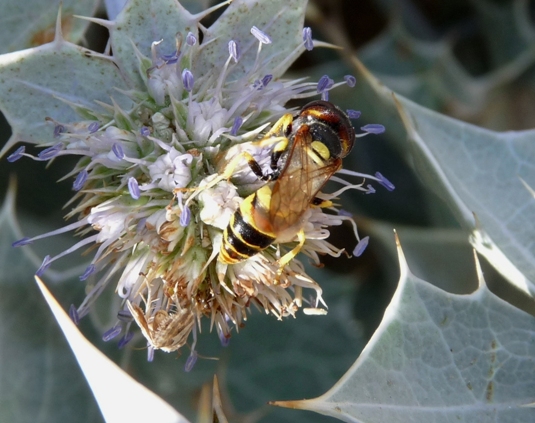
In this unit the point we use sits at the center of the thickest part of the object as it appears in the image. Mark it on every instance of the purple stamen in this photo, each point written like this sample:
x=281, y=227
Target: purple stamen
x=234, y=50
x=191, y=40
x=45, y=265
x=267, y=79
x=93, y=127
x=324, y=84
x=171, y=59
x=373, y=128
x=385, y=182
x=345, y=213
x=133, y=187
x=58, y=130
x=225, y=340
x=22, y=242
x=80, y=180
x=125, y=340
x=73, y=314
x=117, y=149
x=17, y=154
x=353, y=114
x=187, y=80
x=50, y=152
x=144, y=131
x=325, y=95
x=361, y=246
x=238, y=121
x=350, y=80
x=185, y=217
x=370, y=189
x=307, y=38
x=150, y=354
x=124, y=316
x=261, y=35
x=111, y=333
x=190, y=362
x=88, y=272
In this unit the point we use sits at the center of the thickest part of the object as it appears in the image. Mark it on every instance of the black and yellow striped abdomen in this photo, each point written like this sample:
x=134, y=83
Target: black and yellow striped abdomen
x=246, y=233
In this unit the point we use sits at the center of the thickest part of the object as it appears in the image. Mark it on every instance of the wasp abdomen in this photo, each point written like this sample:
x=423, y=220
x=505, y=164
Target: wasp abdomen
x=242, y=239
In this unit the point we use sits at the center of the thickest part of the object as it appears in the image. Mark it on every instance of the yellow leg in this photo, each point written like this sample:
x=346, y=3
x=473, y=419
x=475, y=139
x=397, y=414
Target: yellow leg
x=289, y=256
x=280, y=127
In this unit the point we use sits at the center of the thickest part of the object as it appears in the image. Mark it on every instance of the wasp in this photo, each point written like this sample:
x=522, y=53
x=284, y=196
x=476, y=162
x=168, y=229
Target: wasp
x=308, y=150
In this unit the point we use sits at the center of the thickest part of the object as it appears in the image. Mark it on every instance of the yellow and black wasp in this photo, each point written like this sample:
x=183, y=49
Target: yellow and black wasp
x=308, y=151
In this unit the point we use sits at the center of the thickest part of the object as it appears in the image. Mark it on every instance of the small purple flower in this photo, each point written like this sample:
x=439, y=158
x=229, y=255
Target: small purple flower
x=191, y=40
x=58, y=130
x=133, y=188
x=350, y=80
x=385, y=182
x=361, y=246
x=88, y=272
x=324, y=84
x=150, y=354
x=261, y=35
x=112, y=333
x=80, y=180
x=44, y=266
x=307, y=38
x=373, y=128
x=370, y=189
x=353, y=114
x=17, y=154
x=73, y=314
x=266, y=79
x=234, y=50
x=238, y=121
x=50, y=152
x=190, y=362
x=225, y=340
x=117, y=149
x=185, y=217
x=22, y=242
x=144, y=131
x=187, y=80
x=93, y=127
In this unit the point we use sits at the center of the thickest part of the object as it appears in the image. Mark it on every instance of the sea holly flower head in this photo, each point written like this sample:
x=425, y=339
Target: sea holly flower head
x=168, y=147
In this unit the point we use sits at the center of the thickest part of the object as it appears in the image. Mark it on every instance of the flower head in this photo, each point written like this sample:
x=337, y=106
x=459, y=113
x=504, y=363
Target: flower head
x=159, y=189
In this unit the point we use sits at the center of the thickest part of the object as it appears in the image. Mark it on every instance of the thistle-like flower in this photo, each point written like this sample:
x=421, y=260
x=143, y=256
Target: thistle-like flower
x=161, y=182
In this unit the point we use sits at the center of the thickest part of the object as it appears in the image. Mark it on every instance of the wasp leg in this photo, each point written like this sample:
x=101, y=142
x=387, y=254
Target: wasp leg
x=282, y=127
x=279, y=134
x=289, y=256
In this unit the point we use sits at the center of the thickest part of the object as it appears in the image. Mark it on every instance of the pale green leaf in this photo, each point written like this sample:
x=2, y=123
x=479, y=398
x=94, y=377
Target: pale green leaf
x=30, y=23
x=47, y=82
x=118, y=395
x=281, y=20
x=439, y=357
x=39, y=378
x=143, y=22
x=480, y=172
x=114, y=7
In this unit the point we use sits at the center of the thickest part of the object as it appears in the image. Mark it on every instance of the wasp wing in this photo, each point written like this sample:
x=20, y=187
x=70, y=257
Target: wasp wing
x=303, y=176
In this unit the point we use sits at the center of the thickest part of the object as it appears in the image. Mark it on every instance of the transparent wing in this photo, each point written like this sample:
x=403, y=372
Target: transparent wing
x=304, y=175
